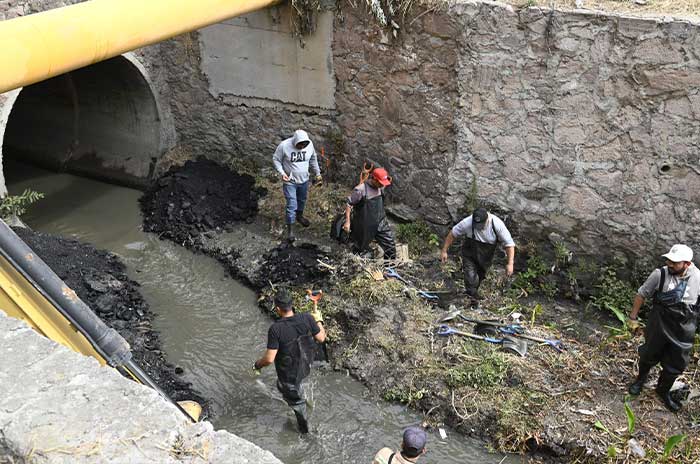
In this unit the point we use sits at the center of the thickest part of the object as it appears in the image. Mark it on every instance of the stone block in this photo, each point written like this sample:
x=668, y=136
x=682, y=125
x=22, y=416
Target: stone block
x=669, y=80
x=441, y=25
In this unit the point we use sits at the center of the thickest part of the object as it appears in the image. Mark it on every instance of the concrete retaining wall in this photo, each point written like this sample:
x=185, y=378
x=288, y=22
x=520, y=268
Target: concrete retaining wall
x=58, y=406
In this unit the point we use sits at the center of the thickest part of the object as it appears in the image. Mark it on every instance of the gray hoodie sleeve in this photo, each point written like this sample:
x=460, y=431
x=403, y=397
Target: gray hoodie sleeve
x=277, y=160
x=313, y=162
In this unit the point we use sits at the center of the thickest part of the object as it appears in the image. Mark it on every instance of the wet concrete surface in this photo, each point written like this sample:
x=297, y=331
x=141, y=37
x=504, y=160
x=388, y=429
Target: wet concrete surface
x=211, y=327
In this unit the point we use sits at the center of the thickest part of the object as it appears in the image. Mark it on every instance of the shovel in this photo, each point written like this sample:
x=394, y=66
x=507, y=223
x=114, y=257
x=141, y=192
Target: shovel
x=391, y=273
x=507, y=343
x=556, y=344
x=513, y=329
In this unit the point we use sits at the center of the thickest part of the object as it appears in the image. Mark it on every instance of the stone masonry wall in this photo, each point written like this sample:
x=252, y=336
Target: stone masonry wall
x=396, y=104
x=575, y=123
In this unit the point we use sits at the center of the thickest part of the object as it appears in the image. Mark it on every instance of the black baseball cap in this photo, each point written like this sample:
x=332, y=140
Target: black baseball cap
x=479, y=217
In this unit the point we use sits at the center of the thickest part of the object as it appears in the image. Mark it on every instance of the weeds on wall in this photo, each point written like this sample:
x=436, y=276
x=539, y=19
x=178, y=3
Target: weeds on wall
x=304, y=14
x=16, y=205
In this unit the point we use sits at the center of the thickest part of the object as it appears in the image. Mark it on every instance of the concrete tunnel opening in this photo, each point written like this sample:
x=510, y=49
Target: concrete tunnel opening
x=101, y=121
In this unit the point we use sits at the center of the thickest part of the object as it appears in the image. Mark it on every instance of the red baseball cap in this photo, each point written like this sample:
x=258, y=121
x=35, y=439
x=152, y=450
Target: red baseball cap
x=381, y=176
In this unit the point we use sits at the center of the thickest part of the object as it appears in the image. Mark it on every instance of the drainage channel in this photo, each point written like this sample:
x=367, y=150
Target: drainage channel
x=211, y=327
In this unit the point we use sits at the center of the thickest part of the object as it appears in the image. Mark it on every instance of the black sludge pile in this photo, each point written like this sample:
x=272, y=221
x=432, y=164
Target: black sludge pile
x=291, y=265
x=196, y=197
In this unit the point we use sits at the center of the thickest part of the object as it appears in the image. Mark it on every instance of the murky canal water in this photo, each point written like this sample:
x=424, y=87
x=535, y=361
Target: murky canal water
x=211, y=326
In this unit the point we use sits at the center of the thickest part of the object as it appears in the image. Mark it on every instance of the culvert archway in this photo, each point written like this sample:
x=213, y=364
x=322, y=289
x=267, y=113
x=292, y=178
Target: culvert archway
x=100, y=121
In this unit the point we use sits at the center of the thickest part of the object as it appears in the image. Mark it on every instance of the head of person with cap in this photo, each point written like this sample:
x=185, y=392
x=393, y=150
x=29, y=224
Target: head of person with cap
x=479, y=218
x=679, y=259
x=379, y=178
x=412, y=448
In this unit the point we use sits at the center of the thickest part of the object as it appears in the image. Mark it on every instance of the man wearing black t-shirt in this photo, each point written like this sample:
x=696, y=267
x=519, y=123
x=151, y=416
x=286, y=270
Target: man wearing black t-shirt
x=290, y=345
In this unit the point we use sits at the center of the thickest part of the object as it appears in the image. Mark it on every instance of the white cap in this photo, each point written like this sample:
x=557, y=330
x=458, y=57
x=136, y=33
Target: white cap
x=679, y=253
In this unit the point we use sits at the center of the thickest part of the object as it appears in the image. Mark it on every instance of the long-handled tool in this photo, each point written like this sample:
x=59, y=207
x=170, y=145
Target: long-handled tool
x=391, y=273
x=556, y=344
x=507, y=343
x=514, y=328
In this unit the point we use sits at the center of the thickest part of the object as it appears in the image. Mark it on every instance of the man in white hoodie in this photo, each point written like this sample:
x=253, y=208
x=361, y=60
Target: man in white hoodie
x=292, y=160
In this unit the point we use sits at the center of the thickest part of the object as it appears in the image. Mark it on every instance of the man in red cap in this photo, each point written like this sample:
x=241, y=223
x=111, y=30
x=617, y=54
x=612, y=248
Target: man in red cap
x=368, y=220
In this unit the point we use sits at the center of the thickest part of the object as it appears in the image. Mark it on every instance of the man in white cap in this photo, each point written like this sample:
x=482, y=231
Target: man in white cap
x=292, y=160
x=670, y=329
x=412, y=448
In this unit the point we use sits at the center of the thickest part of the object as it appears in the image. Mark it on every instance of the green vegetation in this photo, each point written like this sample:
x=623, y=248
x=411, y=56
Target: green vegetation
x=535, y=279
x=418, y=236
x=16, y=205
x=405, y=394
x=613, y=294
x=490, y=370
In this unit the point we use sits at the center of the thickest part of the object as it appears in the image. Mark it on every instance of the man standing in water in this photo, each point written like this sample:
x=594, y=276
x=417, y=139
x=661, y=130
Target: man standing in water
x=368, y=221
x=290, y=345
x=412, y=448
x=670, y=330
x=481, y=231
x=292, y=160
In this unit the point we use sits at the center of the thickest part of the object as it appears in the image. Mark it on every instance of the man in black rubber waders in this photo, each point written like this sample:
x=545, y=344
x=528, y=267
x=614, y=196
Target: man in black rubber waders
x=412, y=448
x=670, y=330
x=290, y=345
x=292, y=160
x=368, y=221
x=481, y=233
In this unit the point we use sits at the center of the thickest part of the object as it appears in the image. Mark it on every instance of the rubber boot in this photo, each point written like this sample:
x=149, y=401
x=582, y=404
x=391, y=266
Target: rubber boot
x=636, y=387
x=290, y=233
x=302, y=220
x=663, y=389
x=302, y=421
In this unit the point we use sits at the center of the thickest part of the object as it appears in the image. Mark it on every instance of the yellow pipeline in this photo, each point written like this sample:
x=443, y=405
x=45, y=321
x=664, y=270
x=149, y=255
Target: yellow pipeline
x=21, y=300
x=43, y=45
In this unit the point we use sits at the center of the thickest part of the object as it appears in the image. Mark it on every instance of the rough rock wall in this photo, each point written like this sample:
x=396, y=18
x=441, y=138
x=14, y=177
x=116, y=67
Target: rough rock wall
x=396, y=106
x=576, y=123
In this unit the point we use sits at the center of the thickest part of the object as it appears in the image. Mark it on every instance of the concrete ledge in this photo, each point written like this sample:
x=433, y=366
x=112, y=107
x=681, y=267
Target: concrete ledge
x=61, y=407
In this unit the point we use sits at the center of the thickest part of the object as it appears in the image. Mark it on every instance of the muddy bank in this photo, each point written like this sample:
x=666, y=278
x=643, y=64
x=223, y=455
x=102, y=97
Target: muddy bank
x=383, y=334
x=99, y=278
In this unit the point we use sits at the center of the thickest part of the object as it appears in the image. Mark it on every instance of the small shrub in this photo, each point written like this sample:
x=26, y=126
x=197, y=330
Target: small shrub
x=418, y=236
x=16, y=205
x=536, y=278
x=613, y=294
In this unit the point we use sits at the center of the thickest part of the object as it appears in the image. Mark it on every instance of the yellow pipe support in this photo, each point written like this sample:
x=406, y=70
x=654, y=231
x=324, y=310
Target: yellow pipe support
x=44, y=45
x=21, y=300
